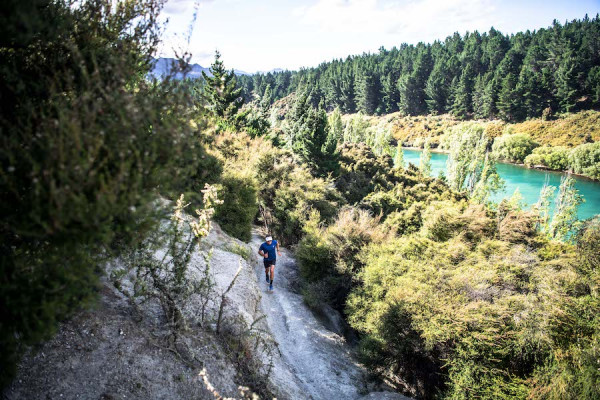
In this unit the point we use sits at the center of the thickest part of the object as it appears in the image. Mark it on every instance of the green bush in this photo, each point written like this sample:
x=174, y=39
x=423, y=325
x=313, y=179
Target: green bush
x=513, y=147
x=457, y=313
x=585, y=159
x=572, y=370
x=555, y=158
x=362, y=172
x=332, y=255
x=316, y=258
x=406, y=221
x=239, y=208
x=287, y=193
x=86, y=142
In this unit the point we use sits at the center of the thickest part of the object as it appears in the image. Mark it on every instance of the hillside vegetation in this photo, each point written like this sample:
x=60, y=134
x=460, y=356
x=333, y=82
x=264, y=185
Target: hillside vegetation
x=451, y=296
x=568, y=143
x=567, y=130
x=478, y=75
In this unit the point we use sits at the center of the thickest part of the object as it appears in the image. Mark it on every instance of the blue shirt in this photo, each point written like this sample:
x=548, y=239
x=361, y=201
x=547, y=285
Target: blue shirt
x=271, y=250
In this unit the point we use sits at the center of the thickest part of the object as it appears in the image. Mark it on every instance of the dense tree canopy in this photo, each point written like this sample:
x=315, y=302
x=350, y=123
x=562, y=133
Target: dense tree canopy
x=483, y=75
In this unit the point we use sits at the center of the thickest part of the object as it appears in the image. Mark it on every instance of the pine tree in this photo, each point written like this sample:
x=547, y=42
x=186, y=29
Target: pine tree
x=367, y=93
x=347, y=100
x=509, y=99
x=489, y=100
x=566, y=83
x=461, y=107
x=436, y=90
x=479, y=97
x=593, y=84
x=390, y=94
x=312, y=139
x=267, y=99
x=221, y=92
x=412, y=87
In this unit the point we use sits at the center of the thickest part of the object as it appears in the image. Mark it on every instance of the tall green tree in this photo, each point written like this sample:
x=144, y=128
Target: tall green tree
x=311, y=139
x=566, y=78
x=221, y=93
x=436, y=89
x=509, y=99
x=412, y=86
x=462, y=103
x=367, y=92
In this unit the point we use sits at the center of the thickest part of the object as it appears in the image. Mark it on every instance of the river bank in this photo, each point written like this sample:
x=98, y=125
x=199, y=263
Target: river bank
x=529, y=181
x=522, y=165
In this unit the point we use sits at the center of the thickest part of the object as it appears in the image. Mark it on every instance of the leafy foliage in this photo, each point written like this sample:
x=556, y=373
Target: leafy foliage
x=470, y=165
x=87, y=143
x=513, y=147
x=361, y=172
x=457, y=312
x=240, y=205
x=310, y=137
x=555, y=158
x=585, y=159
x=288, y=191
x=331, y=255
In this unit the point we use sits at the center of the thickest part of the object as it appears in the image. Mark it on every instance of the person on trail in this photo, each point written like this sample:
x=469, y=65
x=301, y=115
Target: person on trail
x=269, y=250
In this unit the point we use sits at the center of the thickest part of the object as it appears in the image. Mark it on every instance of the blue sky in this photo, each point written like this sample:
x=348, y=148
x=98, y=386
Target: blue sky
x=258, y=35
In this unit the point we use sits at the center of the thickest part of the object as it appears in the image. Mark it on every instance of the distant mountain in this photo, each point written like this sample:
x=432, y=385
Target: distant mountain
x=273, y=71
x=163, y=66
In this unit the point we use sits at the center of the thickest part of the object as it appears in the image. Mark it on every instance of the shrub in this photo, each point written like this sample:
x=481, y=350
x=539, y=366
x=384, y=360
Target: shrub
x=406, y=221
x=287, y=193
x=239, y=208
x=555, y=158
x=513, y=147
x=441, y=220
x=361, y=172
x=332, y=254
x=572, y=370
x=451, y=322
x=86, y=141
x=468, y=313
x=585, y=159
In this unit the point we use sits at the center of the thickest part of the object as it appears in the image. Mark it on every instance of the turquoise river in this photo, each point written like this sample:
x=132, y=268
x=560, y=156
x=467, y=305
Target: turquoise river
x=529, y=182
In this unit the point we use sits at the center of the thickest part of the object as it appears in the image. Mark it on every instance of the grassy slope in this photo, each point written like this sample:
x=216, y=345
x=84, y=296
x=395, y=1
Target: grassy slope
x=567, y=130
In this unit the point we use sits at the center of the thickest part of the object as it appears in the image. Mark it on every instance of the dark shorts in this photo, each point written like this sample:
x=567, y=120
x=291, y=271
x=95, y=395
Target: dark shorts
x=268, y=263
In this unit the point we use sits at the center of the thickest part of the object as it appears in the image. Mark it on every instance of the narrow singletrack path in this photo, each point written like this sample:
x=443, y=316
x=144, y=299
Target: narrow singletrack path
x=315, y=363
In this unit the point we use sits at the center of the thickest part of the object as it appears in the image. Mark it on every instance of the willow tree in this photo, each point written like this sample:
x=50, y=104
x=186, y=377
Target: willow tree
x=425, y=159
x=399, y=157
x=471, y=167
x=564, y=219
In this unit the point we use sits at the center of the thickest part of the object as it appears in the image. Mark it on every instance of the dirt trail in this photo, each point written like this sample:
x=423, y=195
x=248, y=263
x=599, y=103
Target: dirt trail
x=315, y=363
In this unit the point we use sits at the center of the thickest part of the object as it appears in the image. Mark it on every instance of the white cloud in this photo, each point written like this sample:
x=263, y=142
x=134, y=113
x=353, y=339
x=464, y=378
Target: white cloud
x=175, y=7
x=416, y=19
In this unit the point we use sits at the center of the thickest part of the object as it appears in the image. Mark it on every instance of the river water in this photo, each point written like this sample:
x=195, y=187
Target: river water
x=529, y=182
